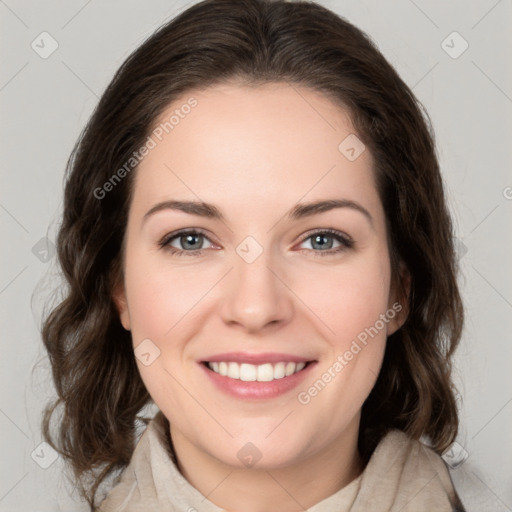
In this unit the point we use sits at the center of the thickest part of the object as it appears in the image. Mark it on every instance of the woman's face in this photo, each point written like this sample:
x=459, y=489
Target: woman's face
x=258, y=286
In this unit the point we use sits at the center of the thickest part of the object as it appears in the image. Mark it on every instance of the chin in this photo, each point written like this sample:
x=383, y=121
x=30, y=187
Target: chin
x=260, y=453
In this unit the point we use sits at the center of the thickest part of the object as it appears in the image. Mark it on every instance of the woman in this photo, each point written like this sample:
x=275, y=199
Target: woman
x=256, y=240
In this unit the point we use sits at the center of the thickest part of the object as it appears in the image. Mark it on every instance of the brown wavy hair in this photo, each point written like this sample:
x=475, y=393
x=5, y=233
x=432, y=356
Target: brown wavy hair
x=99, y=391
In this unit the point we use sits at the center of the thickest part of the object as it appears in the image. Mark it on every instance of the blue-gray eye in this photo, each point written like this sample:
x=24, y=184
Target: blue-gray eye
x=190, y=241
x=187, y=241
x=324, y=241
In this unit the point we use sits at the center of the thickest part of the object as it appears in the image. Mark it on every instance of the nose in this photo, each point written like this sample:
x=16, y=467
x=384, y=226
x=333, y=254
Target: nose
x=255, y=296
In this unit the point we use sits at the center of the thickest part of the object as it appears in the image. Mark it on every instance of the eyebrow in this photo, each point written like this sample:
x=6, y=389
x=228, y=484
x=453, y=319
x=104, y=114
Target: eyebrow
x=299, y=211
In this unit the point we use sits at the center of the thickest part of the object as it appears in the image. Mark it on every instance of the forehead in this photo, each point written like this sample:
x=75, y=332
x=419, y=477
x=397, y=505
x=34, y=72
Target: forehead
x=274, y=143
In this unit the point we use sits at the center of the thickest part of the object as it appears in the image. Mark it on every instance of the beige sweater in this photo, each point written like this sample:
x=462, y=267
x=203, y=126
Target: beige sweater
x=402, y=475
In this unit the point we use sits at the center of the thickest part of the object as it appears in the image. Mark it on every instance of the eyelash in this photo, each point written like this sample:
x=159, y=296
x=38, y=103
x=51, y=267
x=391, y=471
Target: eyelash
x=346, y=242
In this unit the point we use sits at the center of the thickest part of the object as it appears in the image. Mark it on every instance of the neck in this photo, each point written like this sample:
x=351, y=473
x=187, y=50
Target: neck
x=287, y=489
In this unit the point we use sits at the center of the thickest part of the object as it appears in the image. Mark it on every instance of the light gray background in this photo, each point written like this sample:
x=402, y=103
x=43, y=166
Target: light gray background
x=46, y=102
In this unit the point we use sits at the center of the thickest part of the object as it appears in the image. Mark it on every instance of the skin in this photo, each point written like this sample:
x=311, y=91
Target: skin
x=255, y=153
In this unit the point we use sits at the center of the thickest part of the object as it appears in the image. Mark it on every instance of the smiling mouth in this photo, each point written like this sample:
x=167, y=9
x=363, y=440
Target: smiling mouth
x=246, y=372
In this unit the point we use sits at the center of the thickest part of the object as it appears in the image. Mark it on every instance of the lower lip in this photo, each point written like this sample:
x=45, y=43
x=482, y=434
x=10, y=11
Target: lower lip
x=255, y=389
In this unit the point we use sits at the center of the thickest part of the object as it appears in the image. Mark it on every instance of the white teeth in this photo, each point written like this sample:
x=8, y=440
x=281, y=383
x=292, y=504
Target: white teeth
x=279, y=371
x=250, y=372
x=290, y=368
x=223, y=369
x=233, y=371
x=265, y=372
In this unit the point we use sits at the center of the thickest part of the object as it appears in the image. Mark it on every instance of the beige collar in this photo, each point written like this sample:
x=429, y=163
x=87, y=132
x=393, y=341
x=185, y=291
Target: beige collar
x=402, y=475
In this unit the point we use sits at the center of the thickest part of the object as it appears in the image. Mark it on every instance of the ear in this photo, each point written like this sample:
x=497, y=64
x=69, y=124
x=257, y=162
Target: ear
x=119, y=298
x=398, y=306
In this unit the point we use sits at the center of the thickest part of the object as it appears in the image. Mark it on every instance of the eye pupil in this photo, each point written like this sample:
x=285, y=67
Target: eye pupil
x=191, y=239
x=319, y=240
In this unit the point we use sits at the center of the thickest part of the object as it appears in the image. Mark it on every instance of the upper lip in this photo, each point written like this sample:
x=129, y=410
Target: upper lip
x=256, y=359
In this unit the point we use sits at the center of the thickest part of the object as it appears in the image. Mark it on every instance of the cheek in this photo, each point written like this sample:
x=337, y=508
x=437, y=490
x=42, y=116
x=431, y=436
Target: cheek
x=347, y=298
x=162, y=303
x=351, y=300
x=162, y=297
